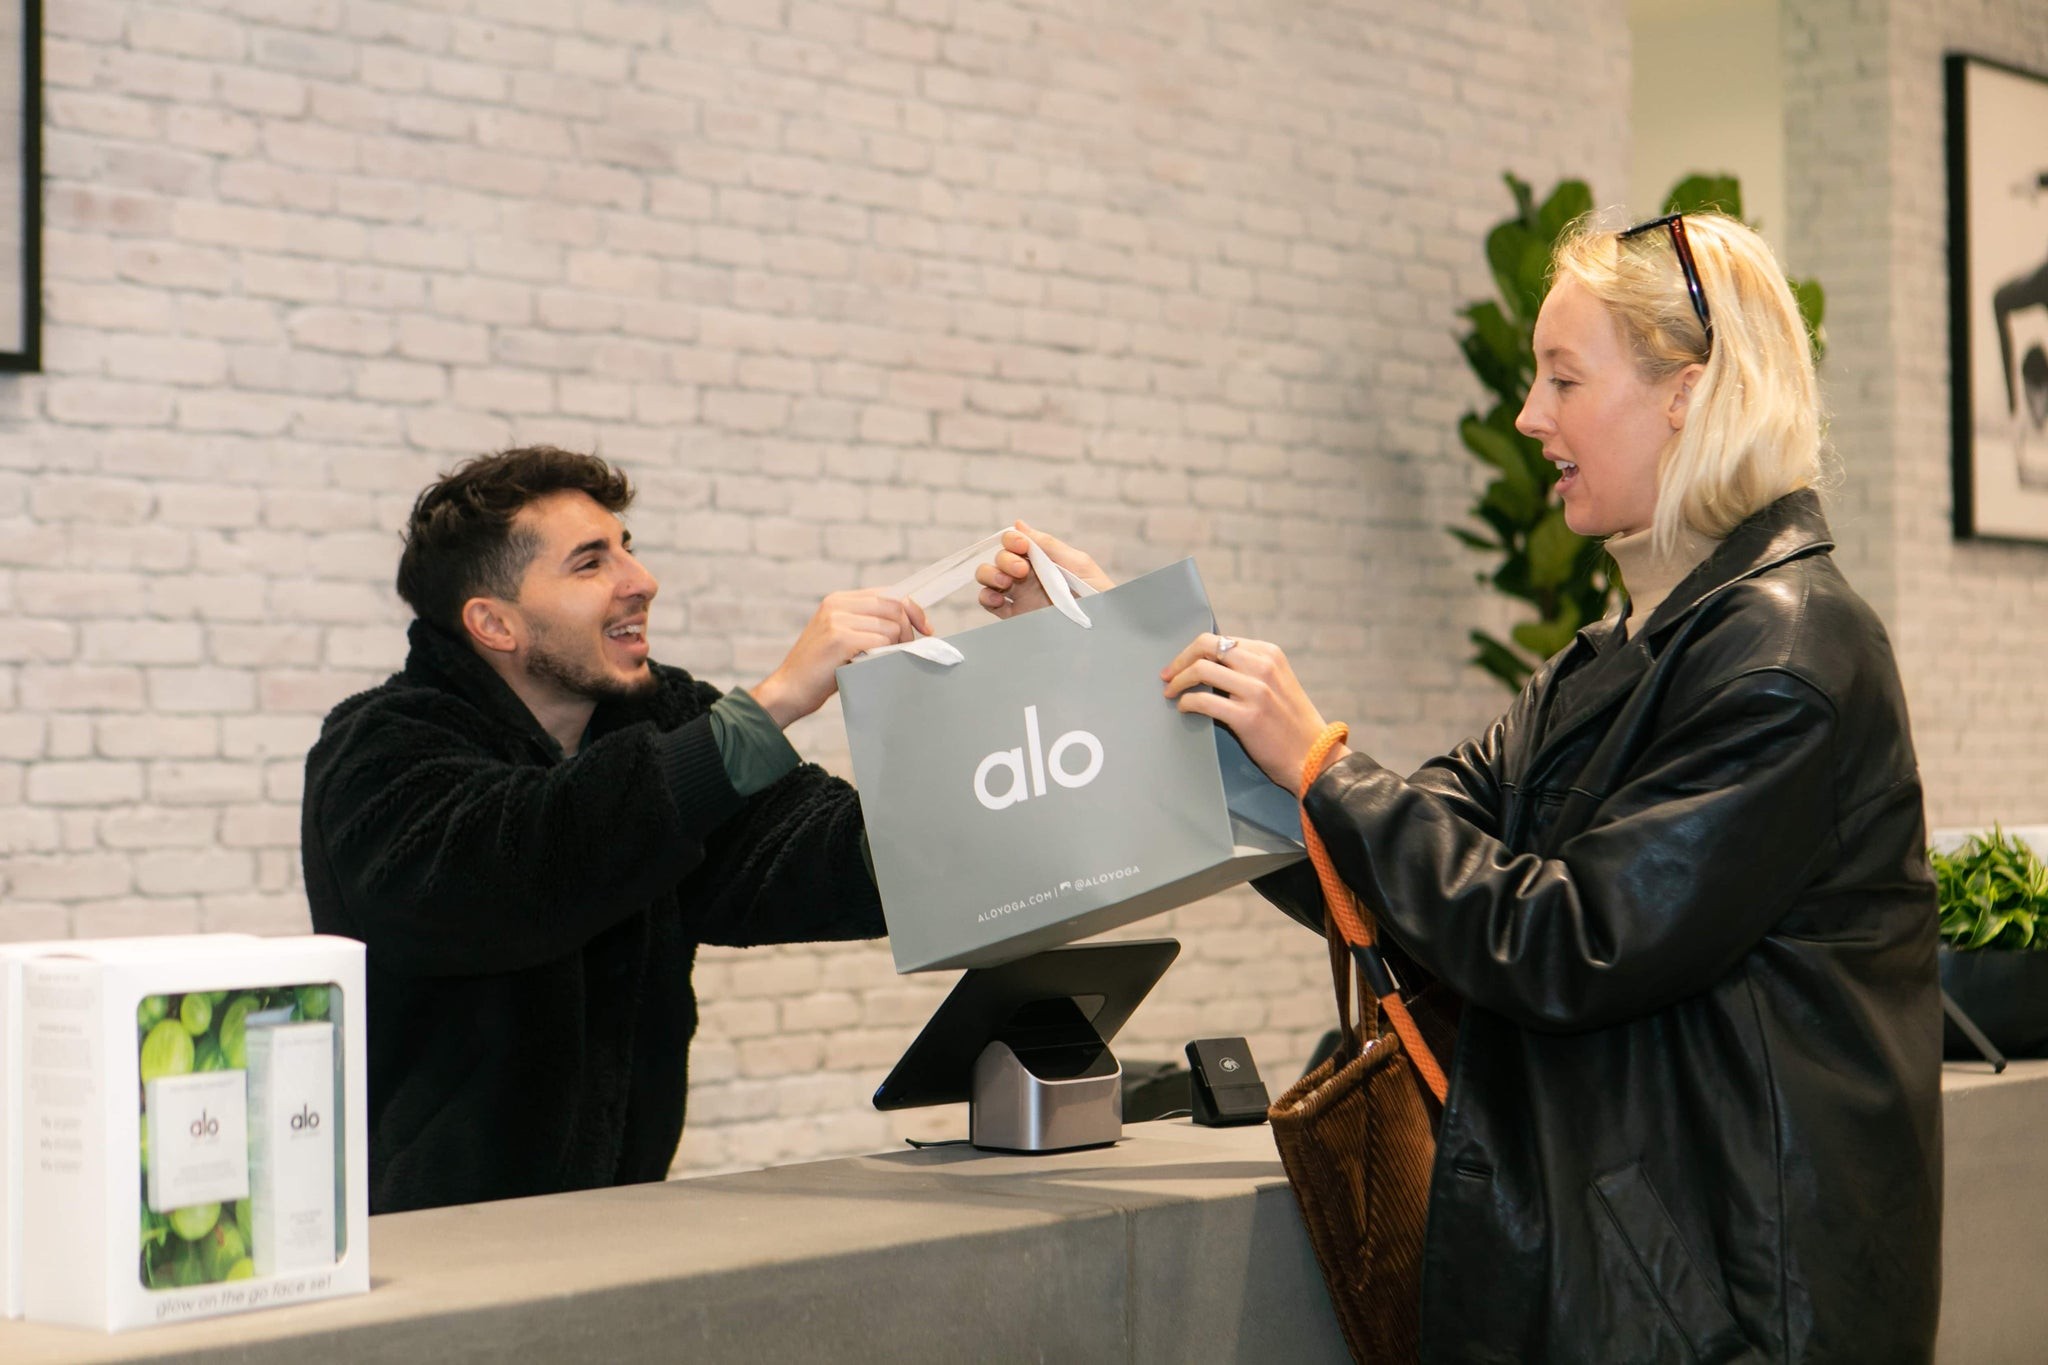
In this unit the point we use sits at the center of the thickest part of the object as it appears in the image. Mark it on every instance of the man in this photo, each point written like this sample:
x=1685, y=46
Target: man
x=533, y=826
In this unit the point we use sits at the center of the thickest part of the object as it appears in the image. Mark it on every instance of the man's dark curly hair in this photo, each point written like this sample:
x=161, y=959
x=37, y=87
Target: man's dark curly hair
x=460, y=541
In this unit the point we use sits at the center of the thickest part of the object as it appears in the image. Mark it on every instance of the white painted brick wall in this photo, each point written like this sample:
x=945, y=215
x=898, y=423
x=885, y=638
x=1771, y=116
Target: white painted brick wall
x=843, y=284
x=1867, y=172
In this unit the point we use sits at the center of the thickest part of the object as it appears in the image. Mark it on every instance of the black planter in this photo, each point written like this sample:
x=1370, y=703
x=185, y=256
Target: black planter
x=2005, y=993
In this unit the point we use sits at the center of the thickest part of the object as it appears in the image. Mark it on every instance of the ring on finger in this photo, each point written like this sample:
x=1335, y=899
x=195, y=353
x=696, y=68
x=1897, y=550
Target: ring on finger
x=1224, y=644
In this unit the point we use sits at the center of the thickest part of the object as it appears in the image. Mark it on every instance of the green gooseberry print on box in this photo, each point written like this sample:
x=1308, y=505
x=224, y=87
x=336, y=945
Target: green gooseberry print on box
x=190, y=1034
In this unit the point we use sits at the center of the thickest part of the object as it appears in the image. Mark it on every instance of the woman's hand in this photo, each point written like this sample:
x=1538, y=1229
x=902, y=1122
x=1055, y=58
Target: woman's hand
x=1257, y=696
x=1009, y=588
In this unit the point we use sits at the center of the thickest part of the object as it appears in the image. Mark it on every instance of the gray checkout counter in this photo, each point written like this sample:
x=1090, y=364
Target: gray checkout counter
x=1180, y=1243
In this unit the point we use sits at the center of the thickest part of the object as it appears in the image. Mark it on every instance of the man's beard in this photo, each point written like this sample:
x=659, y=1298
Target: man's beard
x=579, y=678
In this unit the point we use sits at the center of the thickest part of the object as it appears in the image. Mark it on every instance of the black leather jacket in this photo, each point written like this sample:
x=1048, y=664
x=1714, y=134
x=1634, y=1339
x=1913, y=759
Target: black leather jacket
x=1682, y=888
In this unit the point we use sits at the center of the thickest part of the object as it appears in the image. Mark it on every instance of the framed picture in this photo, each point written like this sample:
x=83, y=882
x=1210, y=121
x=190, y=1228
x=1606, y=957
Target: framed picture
x=21, y=175
x=1998, y=297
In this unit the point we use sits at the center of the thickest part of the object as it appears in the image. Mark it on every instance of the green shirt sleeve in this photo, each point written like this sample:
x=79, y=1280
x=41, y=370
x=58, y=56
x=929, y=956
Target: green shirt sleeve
x=750, y=743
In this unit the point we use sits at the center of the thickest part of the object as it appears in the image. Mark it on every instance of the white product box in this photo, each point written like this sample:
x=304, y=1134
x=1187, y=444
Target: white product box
x=291, y=1106
x=12, y=955
x=197, y=1132
x=102, y=1031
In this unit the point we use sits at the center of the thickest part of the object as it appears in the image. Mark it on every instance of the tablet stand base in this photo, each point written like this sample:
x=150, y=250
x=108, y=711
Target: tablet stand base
x=1025, y=1045
x=1048, y=1084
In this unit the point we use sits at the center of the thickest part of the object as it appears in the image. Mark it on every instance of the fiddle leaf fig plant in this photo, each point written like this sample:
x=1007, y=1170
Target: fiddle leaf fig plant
x=1565, y=579
x=1993, y=892
x=1541, y=561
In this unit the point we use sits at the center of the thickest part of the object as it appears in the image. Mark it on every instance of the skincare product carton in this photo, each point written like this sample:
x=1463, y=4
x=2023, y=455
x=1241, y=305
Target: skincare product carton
x=292, y=1155
x=164, y=1178
x=12, y=956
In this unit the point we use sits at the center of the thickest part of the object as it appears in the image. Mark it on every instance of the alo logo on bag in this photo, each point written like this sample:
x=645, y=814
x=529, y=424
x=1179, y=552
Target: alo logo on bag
x=307, y=1120
x=1042, y=760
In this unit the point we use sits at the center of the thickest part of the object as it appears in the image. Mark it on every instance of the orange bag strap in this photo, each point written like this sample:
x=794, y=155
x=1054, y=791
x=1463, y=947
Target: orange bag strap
x=1354, y=924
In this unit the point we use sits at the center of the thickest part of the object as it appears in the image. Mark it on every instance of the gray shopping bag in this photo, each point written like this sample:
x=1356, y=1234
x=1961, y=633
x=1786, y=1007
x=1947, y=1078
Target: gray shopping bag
x=1027, y=783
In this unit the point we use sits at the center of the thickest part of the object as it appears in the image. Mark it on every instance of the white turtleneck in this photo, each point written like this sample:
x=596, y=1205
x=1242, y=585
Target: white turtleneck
x=1648, y=577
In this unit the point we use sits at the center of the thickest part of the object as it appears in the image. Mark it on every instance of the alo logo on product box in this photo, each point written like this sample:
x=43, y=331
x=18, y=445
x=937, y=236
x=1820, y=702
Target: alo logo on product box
x=198, y=1140
x=306, y=1121
x=1042, y=760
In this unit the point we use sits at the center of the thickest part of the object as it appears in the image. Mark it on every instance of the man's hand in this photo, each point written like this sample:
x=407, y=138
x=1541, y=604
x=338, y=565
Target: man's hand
x=846, y=624
x=1009, y=588
x=1256, y=695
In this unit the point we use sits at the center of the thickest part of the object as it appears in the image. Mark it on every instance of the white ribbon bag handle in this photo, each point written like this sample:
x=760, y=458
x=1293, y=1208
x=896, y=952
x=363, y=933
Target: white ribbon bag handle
x=940, y=580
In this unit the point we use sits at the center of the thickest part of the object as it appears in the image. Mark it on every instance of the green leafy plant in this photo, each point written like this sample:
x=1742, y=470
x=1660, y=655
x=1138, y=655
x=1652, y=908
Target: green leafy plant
x=1563, y=576
x=1993, y=892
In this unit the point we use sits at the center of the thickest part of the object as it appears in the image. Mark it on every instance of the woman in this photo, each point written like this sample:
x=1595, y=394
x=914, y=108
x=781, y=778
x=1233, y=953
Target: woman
x=1681, y=885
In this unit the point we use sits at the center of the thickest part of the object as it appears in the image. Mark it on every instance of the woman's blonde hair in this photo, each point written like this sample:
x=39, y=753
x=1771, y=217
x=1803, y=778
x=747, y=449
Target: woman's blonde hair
x=1752, y=428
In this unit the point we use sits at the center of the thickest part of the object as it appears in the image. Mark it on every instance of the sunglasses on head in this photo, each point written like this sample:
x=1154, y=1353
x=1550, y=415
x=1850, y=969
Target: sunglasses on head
x=1676, y=222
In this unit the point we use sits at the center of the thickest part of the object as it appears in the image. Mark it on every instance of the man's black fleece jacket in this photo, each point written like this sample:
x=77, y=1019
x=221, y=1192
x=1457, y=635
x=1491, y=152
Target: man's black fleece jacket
x=531, y=921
